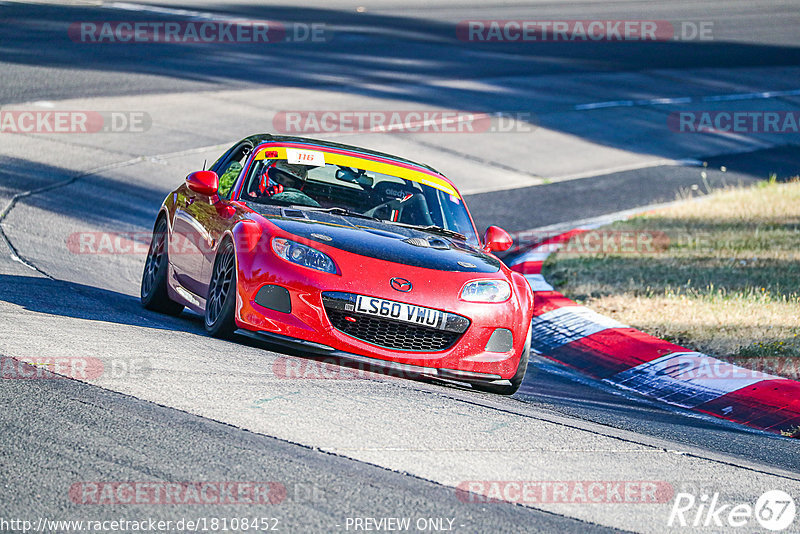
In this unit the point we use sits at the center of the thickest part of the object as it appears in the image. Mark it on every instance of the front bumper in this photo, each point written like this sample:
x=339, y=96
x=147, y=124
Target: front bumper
x=309, y=326
x=407, y=370
x=308, y=321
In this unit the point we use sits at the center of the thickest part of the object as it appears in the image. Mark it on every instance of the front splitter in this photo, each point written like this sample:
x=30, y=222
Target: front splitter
x=325, y=350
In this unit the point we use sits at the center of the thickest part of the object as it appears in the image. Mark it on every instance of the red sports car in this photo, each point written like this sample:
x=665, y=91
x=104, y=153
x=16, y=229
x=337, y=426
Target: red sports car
x=345, y=252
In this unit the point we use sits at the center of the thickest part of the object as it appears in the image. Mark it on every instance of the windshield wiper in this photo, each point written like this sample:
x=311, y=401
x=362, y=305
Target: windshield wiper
x=336, y=210
x=431, y=228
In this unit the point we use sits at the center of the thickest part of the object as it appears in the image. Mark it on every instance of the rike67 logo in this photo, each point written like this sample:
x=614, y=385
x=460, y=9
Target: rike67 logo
x=775, y=510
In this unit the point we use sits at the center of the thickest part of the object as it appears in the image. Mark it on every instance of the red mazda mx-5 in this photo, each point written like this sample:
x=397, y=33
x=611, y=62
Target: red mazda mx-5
x=346, y=252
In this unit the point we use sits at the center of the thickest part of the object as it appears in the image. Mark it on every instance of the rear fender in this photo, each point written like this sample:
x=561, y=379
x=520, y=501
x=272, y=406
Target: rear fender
x=167, y=210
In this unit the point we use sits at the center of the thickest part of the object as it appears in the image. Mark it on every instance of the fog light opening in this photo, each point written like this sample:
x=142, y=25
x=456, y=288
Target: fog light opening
x=502, y=340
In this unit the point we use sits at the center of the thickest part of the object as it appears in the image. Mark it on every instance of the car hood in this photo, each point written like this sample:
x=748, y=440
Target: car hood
x=383, y=241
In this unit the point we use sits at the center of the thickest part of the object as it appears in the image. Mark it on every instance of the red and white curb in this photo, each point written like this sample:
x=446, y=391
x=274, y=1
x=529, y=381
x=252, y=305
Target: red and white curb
x=608, y=350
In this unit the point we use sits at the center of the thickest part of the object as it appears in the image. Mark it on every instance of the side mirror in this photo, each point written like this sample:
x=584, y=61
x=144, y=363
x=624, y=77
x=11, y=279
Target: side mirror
x=203, y=182
x=496, y=240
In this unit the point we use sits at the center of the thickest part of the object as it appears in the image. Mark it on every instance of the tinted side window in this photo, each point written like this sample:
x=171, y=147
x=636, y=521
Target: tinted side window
x=229, y=167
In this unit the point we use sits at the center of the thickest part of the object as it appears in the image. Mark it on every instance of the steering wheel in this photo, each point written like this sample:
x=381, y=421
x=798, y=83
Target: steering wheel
x=291, y=195
x=412, y=209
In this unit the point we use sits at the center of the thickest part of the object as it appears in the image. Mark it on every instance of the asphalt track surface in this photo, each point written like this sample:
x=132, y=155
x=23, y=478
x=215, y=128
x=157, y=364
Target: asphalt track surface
x=199, y=409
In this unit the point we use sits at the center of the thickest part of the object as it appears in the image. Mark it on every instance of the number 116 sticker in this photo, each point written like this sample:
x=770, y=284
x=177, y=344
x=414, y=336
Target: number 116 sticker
x=305, y=157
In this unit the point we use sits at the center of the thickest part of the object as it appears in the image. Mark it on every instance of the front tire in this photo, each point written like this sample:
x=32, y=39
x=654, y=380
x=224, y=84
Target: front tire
x=153, y=290
x=516, y=380
x=221, y=301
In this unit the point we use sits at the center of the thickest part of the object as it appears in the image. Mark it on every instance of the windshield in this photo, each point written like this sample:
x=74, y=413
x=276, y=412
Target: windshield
x=359, y=192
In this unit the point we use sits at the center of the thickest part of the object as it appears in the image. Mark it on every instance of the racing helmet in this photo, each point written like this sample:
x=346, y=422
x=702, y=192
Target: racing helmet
x=288, y=174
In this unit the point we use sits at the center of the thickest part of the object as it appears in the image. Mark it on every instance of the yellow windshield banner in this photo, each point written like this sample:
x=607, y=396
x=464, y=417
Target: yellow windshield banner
x=279, y=152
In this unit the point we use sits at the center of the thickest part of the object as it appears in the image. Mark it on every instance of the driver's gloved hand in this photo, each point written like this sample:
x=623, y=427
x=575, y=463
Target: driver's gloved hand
x=266, y=189
x=273, y=190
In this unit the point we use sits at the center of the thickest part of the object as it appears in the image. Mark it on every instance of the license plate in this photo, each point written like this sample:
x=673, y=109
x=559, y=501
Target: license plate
x=399, y=311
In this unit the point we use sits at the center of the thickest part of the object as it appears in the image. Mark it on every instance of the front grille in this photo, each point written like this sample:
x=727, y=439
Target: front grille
x=391, y=334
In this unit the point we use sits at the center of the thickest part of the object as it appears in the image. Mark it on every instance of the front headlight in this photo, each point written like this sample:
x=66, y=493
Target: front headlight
x=486, y=291
x=303, y=255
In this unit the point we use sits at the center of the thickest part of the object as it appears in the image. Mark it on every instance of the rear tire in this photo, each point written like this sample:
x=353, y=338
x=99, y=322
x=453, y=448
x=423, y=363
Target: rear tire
x=154, y=277
x=516, y=380
x=221, y=301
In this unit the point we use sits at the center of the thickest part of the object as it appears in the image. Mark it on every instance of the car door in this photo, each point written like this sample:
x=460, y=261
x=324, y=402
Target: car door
x=190, y=239
x=199, y=222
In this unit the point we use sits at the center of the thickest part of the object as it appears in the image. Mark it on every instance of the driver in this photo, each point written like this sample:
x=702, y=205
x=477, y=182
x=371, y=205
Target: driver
x=286, y=180
x=282, y=176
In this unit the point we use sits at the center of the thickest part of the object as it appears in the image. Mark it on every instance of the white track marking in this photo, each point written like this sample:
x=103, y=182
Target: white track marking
x=538, y=283
x=687, y=379
x=686, y=100
x=166, y=11
x=564, y=325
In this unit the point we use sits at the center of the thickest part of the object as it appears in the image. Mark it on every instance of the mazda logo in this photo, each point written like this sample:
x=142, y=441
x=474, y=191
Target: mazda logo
x=400, y=284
